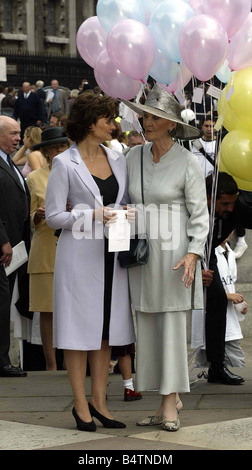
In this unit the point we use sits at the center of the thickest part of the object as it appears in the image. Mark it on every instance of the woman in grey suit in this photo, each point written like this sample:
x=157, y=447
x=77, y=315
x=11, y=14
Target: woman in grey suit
x=177, y=227
x=92, y=310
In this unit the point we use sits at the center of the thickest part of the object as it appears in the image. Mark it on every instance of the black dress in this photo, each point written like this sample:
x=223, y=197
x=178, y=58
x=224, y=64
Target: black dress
x=109, y=190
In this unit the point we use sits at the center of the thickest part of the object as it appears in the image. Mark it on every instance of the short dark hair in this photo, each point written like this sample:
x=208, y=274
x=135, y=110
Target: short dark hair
x=208, y=117
x=225, y=184
x=86, y=110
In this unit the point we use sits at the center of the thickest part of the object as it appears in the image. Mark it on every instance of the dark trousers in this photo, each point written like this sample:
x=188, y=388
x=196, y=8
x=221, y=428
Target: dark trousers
x=216, y=311
x=6, y=290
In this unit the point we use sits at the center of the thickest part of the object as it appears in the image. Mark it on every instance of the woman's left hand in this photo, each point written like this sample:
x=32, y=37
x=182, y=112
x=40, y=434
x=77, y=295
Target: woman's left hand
x=131, y=214
x=188, y=262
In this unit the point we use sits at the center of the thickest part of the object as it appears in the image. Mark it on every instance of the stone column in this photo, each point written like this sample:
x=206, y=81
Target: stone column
x=30, y=18
x=72, y=27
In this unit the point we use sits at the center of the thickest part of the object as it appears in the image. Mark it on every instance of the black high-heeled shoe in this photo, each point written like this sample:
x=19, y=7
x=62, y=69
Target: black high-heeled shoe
x=82, y=425
x=106, y=422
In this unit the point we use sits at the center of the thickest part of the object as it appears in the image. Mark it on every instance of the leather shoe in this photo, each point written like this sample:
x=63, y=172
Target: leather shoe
x=83, y=425
x=171, y=426
x=10, y=371
x=224, y=376
x=106, y=422
x=131, y=395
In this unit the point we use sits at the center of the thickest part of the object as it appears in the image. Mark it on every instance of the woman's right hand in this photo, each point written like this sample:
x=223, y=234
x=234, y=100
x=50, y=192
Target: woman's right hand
x=39, y=215
x=105, y=215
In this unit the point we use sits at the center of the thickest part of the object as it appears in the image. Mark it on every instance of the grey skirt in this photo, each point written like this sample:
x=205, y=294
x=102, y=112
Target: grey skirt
x=161, y=352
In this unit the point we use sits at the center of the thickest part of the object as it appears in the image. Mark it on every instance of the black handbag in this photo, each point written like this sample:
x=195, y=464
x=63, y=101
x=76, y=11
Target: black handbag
x=138, y=253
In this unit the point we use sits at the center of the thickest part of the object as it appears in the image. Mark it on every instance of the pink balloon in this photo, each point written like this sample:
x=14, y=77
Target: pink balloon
x=230, y=13
x=203, y=46
x=240, y=47
x=131, y=46
x=112, y=81
x=91, y=40
x=197, y=6
x=183, y=76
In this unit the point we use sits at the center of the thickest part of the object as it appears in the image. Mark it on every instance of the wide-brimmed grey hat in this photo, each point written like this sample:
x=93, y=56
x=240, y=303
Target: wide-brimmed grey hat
x=51, y=136
x=163, y=104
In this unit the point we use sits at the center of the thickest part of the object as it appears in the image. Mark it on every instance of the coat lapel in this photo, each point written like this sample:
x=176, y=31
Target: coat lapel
x=84, y=174
x=87, y=178
x=11, y=173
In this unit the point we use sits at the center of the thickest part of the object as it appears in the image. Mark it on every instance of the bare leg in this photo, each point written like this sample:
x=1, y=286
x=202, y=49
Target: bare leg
x=169, y=407
x=46, y=337
x=166, y=407
x=125, y=366
x=76, y=364
x=179, y=403
x=99, y=366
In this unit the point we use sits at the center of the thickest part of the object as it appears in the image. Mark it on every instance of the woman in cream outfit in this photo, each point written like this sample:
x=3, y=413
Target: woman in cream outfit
x=43, y=245
x=176, y=206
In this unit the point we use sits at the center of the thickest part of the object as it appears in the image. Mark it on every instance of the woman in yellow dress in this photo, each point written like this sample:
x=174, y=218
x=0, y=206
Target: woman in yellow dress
x=43, y=244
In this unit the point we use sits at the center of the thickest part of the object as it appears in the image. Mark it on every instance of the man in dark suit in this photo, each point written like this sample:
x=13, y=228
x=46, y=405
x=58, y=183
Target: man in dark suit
x=14, y=227
x=229, y=211
x=28, y=108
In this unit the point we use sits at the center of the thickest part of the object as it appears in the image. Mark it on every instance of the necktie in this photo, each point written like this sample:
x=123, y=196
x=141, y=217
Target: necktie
x=226, y=255
x=55, y=102
x=9, y=160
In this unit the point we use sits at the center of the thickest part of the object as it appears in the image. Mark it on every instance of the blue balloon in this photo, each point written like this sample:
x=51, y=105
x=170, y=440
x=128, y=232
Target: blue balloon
x=110, y=12
x=163, y=69
x=151, y=4
x=224, y=73
x=166, y=23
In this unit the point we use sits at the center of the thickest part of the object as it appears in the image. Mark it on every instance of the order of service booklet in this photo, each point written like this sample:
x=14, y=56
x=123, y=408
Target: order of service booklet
x=19, y=257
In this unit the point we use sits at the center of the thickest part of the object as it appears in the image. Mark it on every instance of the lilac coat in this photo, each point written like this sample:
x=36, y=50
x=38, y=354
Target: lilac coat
x=79, y=265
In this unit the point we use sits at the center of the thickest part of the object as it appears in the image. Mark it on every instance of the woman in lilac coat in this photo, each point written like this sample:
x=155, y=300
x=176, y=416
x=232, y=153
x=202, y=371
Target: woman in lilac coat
x=91, y=297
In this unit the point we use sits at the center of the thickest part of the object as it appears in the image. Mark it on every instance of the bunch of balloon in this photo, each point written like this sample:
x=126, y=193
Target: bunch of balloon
x=169, y=41
x=234, y=107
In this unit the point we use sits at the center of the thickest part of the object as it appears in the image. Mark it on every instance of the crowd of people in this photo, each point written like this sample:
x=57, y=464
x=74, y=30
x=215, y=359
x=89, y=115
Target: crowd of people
x=66, y=168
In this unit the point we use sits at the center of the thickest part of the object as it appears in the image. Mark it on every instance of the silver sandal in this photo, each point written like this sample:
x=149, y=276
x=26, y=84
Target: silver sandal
x=150, y=421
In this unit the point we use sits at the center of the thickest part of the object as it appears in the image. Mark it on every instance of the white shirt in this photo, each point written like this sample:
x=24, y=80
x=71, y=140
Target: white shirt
x=26, y=95
x=228, y=275
x=209, y=147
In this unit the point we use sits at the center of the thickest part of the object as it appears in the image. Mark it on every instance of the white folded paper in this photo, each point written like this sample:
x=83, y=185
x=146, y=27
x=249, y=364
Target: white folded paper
x=119, y=232
x=19, y=257
x=238, y=308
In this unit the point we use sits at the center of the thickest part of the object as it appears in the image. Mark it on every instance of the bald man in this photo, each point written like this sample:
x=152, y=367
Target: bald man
x=28, y=108
x=14, y=227
x=59, y=101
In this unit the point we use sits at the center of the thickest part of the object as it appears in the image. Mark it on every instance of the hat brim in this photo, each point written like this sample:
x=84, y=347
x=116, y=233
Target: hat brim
x=184, y=131
x=50, y=142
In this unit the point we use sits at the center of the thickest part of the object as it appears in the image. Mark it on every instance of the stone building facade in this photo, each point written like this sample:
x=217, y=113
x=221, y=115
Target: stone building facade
x=42, y=26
